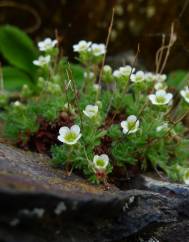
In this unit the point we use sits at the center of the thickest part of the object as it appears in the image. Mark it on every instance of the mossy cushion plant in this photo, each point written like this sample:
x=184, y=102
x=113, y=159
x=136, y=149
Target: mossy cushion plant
x=121, y=118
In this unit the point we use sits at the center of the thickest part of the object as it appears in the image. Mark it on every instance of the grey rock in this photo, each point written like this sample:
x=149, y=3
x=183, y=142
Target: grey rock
x=39, y=203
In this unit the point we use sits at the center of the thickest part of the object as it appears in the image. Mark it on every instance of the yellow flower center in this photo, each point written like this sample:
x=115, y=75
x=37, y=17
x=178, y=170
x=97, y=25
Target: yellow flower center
x=131, y=125
x=70, y=137
x=100, y=162
x=160, y=99
x=187, y=95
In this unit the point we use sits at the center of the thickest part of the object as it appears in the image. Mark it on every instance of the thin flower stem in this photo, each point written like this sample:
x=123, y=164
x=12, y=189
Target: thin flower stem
x=182, y=117
x=169, y=46
x=88, y=160
x=134, y=62
x=104, y=57
x=76, y=99
x=66, y=89
x=159, y=54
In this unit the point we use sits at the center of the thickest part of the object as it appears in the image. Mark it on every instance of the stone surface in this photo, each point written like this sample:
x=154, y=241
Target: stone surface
x=39, y=203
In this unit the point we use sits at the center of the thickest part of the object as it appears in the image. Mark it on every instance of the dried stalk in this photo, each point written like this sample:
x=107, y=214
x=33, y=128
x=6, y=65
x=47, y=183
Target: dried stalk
x=159, y=54
x=107, y=43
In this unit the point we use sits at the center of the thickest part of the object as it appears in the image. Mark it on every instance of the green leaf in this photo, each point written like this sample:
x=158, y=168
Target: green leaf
x=14, y=79
x=177, y=79
x=17, y=48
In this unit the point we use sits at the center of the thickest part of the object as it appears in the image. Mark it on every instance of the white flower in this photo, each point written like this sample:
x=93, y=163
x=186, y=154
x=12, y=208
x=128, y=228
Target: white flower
x=96, y=87
x=131, y=125
x=160, y=86
x=124, y=71
x=107, y=68
x=69, y=136
x=117, y=74
x=160, y=77
x=81, y=46
x=47, y=44
x=17, y=103
x=185, y=94
x=42, y=60
x=89, y=75
x=91, y=111
x=98, y=49
x=101, y=161
x=139, y=76
x=149, y=76
x=161, y=97
x=163, y=127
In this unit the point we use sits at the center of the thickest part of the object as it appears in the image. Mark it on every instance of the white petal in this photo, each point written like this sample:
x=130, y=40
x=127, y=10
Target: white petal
x=61, y=138
x=183, y=93
x=137, y=124
x=133, y=77
x=126, y=70
x=116, y=73
x=95, y=158
x=140, y=73
x=152, y=98
x=36, y=62
x=40, y=45
x=169, y=96
x=132, y=131
x=164, y=77
x=186, y=99
x=64, y=130
x=105, y=158
x=54, y=42
x=70, y=142
x=161, y=93
x=87, y=114
x=125, y=130
x=186, y=181
x=75, y=129
x=89, y=107
x=48, y=58
x=78, y=137
x=124, y=124
x=132, y=118
x=47, y=40
x=158, y=86
x=75, y=48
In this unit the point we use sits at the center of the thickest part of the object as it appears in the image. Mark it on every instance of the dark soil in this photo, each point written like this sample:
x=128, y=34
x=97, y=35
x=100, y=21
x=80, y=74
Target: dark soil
x=46, y=136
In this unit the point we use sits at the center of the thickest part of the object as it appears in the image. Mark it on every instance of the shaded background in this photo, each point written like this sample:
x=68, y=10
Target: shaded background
x=136, y=21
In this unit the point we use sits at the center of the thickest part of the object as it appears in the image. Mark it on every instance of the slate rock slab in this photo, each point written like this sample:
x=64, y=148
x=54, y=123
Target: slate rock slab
x=39, y=203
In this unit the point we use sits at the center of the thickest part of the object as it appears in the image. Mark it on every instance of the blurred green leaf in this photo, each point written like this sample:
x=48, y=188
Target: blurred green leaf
x=177, y=79
x=78, y=72
x=14, y=78
x=17, y=48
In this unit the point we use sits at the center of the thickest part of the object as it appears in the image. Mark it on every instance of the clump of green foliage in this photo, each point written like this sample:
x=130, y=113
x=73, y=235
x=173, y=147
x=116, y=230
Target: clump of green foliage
x=119, y=118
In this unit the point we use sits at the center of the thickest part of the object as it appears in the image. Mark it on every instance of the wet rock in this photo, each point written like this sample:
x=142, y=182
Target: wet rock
x=40, y=203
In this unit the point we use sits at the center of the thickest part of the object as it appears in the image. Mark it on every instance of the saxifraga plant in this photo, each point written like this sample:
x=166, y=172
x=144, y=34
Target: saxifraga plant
x=126, y=118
